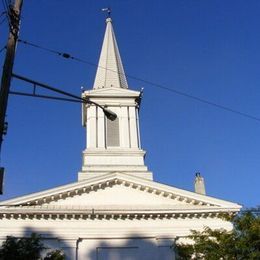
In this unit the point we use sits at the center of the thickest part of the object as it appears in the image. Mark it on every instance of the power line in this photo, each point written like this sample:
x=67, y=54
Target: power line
x=4, y=12
x=4, y=4
x=175, y=91
x=3, y=21
x=7, y=3
x=2, y=48
x=6, y=7
x=62, y=54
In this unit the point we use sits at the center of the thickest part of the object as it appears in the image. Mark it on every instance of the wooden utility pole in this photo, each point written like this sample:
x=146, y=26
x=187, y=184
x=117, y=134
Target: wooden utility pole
x=14, y=13
x=14, y=23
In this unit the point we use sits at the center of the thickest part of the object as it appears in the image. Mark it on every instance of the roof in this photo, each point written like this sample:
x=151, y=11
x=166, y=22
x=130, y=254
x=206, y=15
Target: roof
x=110, y=71
x=116, y=194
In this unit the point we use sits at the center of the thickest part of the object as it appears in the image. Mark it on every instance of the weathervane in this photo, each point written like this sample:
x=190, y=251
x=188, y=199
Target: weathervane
x=108, y=10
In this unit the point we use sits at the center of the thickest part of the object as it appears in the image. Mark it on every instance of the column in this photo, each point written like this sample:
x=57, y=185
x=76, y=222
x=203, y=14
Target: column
x=69, y=247
x=138, y=128
x=133, y=128
x=91, y=127
x=124, y=128
x=100, y=128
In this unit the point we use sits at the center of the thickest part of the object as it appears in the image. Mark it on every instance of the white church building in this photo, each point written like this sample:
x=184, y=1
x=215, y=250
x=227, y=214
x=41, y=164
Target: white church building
x=114, y=210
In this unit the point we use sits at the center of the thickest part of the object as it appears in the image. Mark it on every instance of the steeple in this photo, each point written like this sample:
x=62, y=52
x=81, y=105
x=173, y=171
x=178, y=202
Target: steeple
x=110, y=72
x=112, y=146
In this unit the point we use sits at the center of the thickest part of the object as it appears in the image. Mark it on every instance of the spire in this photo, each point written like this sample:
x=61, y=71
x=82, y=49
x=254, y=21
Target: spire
x=110, y=71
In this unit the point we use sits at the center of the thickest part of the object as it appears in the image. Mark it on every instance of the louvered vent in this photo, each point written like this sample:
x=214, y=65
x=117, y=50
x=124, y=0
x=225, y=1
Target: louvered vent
x=113, y=133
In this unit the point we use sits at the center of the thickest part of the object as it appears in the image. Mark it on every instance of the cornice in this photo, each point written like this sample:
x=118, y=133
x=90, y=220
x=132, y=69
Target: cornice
x=111, y=179
x=70, y=213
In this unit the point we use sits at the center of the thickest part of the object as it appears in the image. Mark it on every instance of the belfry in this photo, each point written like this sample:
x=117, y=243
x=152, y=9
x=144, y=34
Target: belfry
x=112, y=146
x=115, y=210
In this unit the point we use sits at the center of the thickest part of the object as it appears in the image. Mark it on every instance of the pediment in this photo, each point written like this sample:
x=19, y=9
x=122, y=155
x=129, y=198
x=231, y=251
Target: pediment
x=122, y=192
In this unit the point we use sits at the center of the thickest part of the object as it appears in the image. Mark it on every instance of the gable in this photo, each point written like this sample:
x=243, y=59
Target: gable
x=117, y=195
x=118, y=190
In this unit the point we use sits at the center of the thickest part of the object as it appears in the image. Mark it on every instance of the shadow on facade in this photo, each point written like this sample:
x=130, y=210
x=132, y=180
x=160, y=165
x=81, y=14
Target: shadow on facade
x=50, y=241
x=134, y=248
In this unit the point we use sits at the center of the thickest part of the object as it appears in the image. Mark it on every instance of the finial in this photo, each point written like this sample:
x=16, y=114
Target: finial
x=108, y=10
x=197, y=174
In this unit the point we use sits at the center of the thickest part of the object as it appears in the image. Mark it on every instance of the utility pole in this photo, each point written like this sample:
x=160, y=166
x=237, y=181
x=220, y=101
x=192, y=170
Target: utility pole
x=14, y=13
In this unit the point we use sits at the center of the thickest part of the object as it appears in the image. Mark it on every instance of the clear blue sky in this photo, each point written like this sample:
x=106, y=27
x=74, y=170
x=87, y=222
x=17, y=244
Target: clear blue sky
x=209, y=49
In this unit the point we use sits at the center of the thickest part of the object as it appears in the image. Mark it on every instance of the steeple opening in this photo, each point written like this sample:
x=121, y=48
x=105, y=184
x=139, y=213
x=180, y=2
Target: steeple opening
x=112, y=133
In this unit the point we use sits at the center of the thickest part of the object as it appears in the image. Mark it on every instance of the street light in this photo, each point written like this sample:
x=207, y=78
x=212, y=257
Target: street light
x=109, y=114
x=73, y=98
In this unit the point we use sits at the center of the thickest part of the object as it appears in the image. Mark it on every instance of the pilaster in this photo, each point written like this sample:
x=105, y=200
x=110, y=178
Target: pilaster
x=69, y=247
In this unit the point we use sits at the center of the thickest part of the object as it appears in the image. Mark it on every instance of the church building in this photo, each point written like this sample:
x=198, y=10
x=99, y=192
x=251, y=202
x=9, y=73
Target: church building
x=115, y=210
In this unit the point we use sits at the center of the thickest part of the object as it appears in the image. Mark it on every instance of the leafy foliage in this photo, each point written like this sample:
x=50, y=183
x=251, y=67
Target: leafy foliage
x=55, y=255
x=21, y=248
x=243, y=242
x=26, y=249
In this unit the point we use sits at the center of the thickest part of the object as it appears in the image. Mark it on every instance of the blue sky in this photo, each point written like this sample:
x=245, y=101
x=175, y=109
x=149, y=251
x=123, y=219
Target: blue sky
x=209, y=49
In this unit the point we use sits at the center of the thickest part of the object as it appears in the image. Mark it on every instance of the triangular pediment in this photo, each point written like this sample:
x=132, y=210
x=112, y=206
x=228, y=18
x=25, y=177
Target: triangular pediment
x=122, y=192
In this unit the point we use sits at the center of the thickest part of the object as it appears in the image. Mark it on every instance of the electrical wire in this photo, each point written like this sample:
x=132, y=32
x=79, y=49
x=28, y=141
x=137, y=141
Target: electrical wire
x=6, y=6
x=3, y=3
x=2, y=48
x=4, y=12
x=3, y=20
x=64, y=55
x=160, y=86
x=7, y=3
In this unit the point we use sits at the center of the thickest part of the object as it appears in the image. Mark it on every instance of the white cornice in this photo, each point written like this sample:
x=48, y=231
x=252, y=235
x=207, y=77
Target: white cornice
x=44, y=212
x=94, y=184
x=111, y=92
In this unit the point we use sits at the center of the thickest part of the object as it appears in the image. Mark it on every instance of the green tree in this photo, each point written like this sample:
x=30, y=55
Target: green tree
x=55, y=255
x=242, y=243
x=27, y=248
x=21, y=248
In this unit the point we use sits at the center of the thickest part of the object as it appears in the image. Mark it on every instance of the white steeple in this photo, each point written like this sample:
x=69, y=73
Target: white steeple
x=110, y=72
x=112, y=146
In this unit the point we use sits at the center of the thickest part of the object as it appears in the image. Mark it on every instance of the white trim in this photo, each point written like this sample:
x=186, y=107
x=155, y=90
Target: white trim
x=114, y=178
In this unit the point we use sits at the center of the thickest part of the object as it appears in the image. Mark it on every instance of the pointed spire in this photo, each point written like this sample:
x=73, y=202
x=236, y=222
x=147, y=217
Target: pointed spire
x=110, y=71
